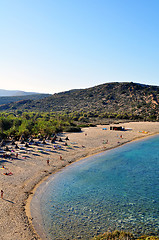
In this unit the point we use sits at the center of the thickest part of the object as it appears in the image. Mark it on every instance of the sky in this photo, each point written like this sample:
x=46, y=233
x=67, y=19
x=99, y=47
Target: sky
x=50, y=46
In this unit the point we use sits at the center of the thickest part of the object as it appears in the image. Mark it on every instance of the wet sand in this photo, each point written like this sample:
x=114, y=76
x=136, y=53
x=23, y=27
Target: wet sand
x=31, y=168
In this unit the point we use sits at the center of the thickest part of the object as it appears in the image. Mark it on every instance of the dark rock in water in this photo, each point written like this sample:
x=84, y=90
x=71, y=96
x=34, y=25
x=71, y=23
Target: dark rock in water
x=78, y=237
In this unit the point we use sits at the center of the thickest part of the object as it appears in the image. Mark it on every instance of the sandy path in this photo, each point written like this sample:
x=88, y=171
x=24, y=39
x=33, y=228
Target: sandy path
x=30, y=168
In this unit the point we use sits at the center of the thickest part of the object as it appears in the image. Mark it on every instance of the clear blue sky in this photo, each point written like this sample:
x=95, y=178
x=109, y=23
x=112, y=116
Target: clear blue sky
x=57, y=45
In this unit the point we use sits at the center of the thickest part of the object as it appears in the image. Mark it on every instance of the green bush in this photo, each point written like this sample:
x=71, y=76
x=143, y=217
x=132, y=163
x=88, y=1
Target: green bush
x=121, y=235
x=116, y=235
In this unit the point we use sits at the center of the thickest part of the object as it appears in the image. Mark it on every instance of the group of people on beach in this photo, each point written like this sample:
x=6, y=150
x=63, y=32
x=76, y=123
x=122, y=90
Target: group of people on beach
x=10, y=153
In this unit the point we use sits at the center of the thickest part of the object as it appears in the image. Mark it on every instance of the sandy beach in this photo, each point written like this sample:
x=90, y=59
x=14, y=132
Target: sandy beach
x=31, y=167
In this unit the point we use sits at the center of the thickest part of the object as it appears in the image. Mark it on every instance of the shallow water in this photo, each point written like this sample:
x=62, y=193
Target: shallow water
x=118, y=189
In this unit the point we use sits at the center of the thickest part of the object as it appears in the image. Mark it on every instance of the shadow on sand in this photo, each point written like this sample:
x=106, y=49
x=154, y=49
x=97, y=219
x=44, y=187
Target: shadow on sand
x=8, y=201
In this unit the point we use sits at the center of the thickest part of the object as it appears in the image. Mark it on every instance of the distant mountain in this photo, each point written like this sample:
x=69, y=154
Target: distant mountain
x=5, y=93
x=11, y=100
x=114, y=98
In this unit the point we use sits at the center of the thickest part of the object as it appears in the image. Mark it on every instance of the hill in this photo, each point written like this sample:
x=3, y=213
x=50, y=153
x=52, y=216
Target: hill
x=11, y=99
x=113, y=98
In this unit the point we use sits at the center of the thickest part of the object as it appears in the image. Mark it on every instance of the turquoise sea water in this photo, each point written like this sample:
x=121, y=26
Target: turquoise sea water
x=118, y=189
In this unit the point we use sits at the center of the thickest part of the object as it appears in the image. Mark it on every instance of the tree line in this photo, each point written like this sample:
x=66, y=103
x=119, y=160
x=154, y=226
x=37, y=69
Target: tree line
x=15, y=124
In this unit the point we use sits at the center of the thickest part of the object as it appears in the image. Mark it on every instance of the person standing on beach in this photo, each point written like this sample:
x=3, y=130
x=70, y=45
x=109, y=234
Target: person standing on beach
x=48, y=162
x=2, y=194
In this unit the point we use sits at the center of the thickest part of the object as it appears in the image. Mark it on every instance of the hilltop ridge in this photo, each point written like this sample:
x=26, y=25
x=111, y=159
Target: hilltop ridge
x=116, y=97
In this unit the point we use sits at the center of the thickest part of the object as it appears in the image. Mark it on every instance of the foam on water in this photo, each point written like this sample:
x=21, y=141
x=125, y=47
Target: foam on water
x=118, y=189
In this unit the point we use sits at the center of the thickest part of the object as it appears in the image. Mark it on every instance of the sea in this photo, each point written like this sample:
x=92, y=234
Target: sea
x=114, y=190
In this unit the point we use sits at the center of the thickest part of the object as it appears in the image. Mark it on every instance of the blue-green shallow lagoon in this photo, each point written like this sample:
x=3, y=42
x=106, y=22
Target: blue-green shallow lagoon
x=118, y=189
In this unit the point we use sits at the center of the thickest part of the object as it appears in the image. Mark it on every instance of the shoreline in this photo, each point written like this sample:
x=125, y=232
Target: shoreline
x=27, y=207
x=29, y=173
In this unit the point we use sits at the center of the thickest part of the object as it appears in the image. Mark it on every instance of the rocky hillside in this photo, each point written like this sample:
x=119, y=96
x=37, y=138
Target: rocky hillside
x=125, y=98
